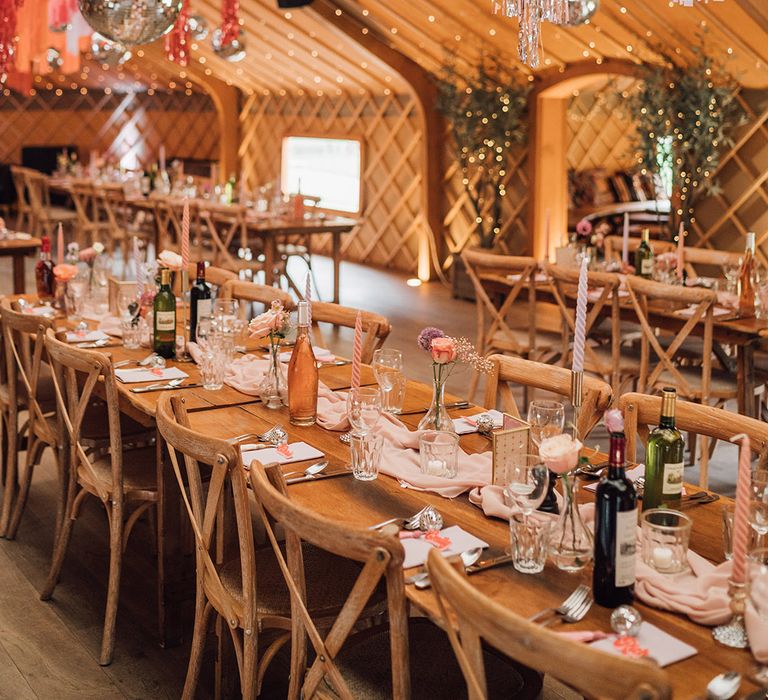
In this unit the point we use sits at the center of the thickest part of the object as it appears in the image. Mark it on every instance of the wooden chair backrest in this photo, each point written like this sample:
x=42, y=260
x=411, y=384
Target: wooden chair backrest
x=590, y=671
x=210, y=510
x=82, y=194
x=708, y=257
x=380, y=552
x=19, y=184
x=376, y=328
x=596, y=394
x=36, y=186
x=223, y=224
x=606, y=286
x=613, y=247
x=76, y=373
x=252, y=293
x=482, y=266
x=642, y=411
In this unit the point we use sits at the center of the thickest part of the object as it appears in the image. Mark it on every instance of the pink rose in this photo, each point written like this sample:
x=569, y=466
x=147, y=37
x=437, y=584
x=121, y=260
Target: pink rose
x=584, y=228
x=64, y=272
x=272, y=321
x=443, y=350
x=170, y=260
x=87, y=254
x=560, y=453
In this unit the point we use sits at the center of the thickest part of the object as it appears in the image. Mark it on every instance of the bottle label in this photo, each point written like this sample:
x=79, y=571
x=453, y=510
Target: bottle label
x=165, y=320
x=626, y=544
x=646, y=266
x=203, y=308
x=673, y=479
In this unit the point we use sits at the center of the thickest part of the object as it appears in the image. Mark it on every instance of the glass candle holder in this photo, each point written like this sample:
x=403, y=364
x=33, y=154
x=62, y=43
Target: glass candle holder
x=665, y=537
x=439, y=453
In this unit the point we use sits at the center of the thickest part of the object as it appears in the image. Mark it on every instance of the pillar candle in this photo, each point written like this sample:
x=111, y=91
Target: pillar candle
x=185, y=237
x=579, y=336
x=60, y=245
x=680, y=251
x=357, y=352
x=625, y=240
x=741, y=511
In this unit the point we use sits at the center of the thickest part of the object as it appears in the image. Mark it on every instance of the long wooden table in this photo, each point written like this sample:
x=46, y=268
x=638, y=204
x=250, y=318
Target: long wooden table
x=18, y=249
x=226, y=413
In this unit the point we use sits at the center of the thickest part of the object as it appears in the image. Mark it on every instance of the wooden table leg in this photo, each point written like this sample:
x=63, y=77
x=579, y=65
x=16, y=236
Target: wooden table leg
x=336, y=255
x=19, y=283
x=745, y=377
x=270, y=255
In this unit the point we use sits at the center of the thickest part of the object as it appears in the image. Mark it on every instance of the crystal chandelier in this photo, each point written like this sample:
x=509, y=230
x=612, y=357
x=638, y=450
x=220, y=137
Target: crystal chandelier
x=530, y=15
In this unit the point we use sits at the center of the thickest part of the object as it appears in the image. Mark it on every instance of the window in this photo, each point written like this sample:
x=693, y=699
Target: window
x=325, y=168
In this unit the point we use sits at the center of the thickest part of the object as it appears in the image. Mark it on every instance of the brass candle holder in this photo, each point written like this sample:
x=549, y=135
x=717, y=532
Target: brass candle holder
x=184, y=356
x=733, y=634
x=577, y=392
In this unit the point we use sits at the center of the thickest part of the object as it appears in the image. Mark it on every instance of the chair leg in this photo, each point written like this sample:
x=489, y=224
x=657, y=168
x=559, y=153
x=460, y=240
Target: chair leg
x=202, y=616
x=61, y=546
x=249, y=666
x=473, y=382
x=34, y=453
x=113, y=589
x=11, y=471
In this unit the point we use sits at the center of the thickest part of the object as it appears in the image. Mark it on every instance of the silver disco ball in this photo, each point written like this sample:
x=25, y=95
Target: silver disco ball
x=198, y=27
x=111, y=53
x=131, y=22
x=579, y=11
x=53, y=58
x=234, y=51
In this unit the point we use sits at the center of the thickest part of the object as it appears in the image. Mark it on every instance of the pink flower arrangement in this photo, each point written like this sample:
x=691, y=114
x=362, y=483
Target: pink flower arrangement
x=446, y=350
x=273, y=323
x=88, y=255
x=64, y=272
x=443, y=350
x=584, y=228
x=666, y=262
x=560, y=453
x=170, y=260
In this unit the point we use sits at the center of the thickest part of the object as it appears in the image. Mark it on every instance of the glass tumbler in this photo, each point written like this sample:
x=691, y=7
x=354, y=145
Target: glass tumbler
x=529, y=538
x=439, y=453
x=365, y=451
x=665, y=536
x=131, y=335
x=212, y=366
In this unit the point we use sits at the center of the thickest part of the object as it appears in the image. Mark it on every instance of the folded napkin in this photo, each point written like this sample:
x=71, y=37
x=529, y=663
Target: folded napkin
x=757, y=632
x=662, y=647
x=285, y=454
x=111, y=325
x=135, y=376
x=321, y=355
x=332, y=409
x=538, y=277
x=468, y=424
x=87, y=337
x=417, y=550
x=48, y=311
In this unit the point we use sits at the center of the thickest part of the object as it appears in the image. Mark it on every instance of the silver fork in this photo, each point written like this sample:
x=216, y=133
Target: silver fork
x=275, y=436
x=576, y=614
x=568, y=605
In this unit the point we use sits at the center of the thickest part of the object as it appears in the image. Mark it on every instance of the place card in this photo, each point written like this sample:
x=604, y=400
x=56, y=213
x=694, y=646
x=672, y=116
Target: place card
x=468, y=424
x=284, y=454
x=510, y=446
x=417, y=549
x=652, y=642
x=87, y=337
x=157, y=374
x=321, y=355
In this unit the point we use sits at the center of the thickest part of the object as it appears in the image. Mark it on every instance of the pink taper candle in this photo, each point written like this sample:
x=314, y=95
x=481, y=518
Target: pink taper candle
x=308, y=296
x=625, y=240
x=357, y=352
x=680, y=251
x=60, y=245
x=741, y=511
x=185, y=237
x=579, y=336
x=140, y=281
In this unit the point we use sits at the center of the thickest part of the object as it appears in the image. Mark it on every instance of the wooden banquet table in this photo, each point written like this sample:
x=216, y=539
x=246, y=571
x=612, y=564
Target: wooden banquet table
x=18, y=249
x=227, y=412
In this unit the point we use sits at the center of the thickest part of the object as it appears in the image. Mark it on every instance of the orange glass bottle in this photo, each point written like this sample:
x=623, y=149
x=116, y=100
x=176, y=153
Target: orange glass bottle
x=747, y=279
x=303, y=377
x=44, y=278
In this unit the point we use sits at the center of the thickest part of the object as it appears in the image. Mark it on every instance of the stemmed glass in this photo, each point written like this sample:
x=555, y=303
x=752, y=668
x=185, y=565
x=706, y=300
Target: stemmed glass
x=528, y=483
x=757, y=575
x=364, y=409
x=388, y=369
x=546, y=418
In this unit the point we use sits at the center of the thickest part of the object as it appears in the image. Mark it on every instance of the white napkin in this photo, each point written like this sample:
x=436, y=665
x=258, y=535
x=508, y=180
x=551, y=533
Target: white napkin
x=468, y=424
x=661, y=646
x=297, y=452
x=87, y=337
x=321, y=355
x=19, y=236
x=134, y=376
x=633, y=475
x=47, y=311
x=688, y=311
x=417, y=550
x=538, y=277
x=595, y=294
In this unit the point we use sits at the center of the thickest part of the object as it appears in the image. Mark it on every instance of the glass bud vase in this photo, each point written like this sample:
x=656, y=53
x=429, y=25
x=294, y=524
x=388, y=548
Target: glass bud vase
x=273, y=390
x=437, y=417
x=570, y=544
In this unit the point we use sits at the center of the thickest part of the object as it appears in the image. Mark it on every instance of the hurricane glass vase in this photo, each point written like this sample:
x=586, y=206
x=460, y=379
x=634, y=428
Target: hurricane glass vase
x=571, y=544
x=273, y=390
x=437, y=417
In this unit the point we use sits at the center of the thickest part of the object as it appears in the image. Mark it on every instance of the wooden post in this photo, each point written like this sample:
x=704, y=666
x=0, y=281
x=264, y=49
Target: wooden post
x=425, y=92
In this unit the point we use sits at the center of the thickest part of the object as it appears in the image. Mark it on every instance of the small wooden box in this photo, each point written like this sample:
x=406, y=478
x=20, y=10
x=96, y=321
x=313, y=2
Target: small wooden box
x=510, y=446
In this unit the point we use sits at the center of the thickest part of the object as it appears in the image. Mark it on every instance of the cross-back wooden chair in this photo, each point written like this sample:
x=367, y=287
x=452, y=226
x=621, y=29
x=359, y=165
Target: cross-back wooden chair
x=348, y=665
x=514, y=278
x=108, y=200
x=376, y=328
x=593, y=673
x=30, y=388
x=641, y=413
x=224, y=229
x=707, y=257
x=508, y=370
x=89, y=227
x=44, y=217
x=249, y=293
x=605, y=362
x=23, y=208
x=216, y=276
x=121, y=481
x=613, y=247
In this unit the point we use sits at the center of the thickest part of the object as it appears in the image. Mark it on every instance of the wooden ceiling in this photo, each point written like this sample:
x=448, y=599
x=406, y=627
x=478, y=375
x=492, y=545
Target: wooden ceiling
x=299, y=51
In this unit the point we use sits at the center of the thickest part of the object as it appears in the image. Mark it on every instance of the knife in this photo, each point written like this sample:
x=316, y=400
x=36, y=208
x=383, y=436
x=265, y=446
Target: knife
x=318, y=477
x=455, y=404
x=164, y=387
x=489, y=563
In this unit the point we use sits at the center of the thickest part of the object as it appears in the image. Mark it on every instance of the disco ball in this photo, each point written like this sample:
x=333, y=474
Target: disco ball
x=198, y=27
x=131, y=22
x=234, y=51
x=111, y=53
x=53, y=58
x=579, y=11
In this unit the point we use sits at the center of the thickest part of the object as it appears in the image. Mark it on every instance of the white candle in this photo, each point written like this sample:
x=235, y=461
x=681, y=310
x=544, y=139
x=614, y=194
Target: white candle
x=662, y=558
x=436, y=467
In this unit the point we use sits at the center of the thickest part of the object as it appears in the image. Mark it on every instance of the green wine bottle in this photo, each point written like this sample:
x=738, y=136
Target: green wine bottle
x=664, y=459
x=644, y=257
x=165, y=317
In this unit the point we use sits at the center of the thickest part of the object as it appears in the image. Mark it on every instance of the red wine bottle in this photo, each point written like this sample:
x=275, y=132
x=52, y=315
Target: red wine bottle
x=613, y=579
x=199, y=301
x=44, y=277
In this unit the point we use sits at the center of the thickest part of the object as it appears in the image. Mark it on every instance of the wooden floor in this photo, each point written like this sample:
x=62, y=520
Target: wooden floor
x=50, y=650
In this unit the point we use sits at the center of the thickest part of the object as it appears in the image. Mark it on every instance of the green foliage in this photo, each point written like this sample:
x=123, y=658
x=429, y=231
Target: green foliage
x=684, y=118
x=487, y=116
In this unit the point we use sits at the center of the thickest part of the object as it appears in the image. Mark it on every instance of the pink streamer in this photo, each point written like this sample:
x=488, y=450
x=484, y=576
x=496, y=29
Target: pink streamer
x=579, y=336
x=741, y=512
x=185, y=237
x=357, y=352
x=60, y=245
x=680, y=251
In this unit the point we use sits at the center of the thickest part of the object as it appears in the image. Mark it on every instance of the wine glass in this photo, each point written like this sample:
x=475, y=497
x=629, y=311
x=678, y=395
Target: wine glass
x=528, y=484
x=546, y=418
x=758, y=507
x=126, y=298
x=363, y=409
x=757, y=579
x=731, y=270
x=388, y=370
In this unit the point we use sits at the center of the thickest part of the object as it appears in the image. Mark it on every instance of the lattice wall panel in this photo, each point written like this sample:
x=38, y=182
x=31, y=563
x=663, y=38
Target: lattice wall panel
x=599, y=131
x=390, y=130
x=129, y=127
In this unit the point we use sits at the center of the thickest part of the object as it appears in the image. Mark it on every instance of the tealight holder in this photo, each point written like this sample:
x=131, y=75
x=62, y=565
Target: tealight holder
x=665, y=537
x=439, y=453
x=733, y=634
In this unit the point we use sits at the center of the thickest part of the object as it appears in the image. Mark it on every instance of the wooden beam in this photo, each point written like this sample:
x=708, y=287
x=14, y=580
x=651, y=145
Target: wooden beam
x=424, y=90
